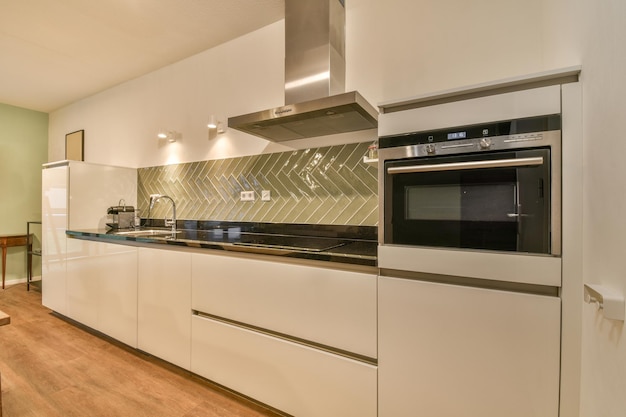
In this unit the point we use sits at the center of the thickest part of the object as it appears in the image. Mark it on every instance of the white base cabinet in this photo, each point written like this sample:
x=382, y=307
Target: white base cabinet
x=331, y=307
x=296, y=379
x=296, y=337
x=164, y=305
x=453, y=351
x=102, y=288
x=252, y=318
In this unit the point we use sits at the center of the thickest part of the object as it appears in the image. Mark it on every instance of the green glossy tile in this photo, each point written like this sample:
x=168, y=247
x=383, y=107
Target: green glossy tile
x=365, y=215
x=368, y=175
x=340, y=181
x=330, y=217
x=296, y=211
x=330, y=187
x=357, y=185
x=327, y=185
x=276, y=186
x=266, y=207
x=292, y=188
x=305, y=211
x=347, y=215
x=283, y=213
x=324, y=208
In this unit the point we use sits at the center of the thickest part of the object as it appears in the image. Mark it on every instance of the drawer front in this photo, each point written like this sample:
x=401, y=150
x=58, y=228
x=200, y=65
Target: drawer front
x=458, y=351
x=102, y=288
x=296, y=379
x=331, y=307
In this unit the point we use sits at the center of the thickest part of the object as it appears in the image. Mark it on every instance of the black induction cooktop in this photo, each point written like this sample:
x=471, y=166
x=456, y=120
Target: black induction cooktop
x=314, y=244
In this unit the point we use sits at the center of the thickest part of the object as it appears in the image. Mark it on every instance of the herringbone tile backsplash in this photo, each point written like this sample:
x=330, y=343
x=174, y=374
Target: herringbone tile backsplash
x=329, y=185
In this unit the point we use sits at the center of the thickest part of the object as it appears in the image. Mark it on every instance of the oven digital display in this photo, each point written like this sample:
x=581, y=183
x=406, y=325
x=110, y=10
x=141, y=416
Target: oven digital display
x=457, y=135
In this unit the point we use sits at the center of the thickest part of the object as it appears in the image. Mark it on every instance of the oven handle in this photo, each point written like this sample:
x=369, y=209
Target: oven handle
x=456, y=166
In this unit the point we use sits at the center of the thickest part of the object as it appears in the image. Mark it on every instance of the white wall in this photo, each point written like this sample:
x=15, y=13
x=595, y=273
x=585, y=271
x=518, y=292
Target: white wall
x=604, y=89
x=405, y=47
x=396, y=49
x=121, y=123
x=393, y=49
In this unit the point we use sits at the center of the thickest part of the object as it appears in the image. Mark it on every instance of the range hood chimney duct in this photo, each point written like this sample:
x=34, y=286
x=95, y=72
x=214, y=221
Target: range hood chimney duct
x=314, y=49
x=316, y=103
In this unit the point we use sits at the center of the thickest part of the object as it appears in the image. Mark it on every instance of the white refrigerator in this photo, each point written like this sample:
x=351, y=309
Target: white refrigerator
x=75, y=196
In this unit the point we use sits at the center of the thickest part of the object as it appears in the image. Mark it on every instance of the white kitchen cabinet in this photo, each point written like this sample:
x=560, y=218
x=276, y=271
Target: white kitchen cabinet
x=102, y=288
x=332, y=307
x=453, y=351
x=296, y=379
x=164, y=305
x=83, y=277
x=93, y=188
x=117, y=293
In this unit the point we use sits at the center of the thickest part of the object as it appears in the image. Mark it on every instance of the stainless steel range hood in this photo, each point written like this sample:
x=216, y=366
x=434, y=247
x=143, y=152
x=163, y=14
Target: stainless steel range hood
x=316, y=103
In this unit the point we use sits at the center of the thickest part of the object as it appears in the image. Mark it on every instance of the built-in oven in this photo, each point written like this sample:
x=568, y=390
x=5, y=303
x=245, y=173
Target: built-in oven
x=492, y=186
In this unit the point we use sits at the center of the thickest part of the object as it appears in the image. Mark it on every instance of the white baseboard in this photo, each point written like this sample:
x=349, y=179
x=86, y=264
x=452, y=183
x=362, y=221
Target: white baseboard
x=8, y=282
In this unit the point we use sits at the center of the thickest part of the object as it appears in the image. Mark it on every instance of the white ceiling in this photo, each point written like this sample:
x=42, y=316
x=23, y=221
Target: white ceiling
x=54, y=52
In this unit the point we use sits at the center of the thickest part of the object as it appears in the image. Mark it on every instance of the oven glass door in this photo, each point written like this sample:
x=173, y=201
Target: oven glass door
x=494, y=201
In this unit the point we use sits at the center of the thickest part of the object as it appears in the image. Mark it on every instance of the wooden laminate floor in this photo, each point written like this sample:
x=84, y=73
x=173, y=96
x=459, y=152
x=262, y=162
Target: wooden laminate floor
x=51, y=368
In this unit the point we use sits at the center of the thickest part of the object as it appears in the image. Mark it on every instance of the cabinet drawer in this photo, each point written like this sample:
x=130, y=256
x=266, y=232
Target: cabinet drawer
x=332, y=307
x=296, y=379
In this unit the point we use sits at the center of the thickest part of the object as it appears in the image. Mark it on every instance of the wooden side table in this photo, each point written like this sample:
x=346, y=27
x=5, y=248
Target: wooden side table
x=7, y=241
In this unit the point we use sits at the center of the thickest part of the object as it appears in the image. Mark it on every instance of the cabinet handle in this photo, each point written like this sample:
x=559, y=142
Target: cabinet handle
x=457, y=166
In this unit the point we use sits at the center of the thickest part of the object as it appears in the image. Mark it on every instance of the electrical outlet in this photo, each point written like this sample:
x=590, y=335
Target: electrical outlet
x=265, y=195
x=247, y=196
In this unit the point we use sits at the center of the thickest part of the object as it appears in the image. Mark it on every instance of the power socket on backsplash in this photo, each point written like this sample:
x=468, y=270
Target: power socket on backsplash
x=247, y=196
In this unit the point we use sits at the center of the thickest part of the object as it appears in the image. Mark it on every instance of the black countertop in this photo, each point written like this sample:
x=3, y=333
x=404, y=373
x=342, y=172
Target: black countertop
x=343, y=244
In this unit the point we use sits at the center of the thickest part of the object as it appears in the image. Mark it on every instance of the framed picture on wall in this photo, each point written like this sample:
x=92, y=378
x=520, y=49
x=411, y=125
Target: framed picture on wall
x=74, y=143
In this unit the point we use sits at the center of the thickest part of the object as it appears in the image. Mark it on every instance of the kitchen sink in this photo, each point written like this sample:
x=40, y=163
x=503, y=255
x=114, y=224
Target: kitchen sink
x=147, y=232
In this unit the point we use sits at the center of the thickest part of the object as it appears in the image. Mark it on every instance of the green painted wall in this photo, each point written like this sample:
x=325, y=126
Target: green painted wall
x=23, y=149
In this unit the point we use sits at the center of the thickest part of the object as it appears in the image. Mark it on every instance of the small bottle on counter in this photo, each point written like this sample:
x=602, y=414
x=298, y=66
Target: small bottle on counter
x=137, y=219
x=372, y=150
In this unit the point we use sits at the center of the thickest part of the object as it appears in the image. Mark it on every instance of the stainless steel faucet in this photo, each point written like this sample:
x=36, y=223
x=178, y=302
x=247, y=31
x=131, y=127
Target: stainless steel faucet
x=156, y=197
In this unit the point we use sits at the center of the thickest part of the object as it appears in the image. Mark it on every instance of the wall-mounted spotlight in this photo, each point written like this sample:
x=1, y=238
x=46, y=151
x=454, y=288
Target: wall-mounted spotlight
x=212, y=122
x=215, y=126
x=170, y=135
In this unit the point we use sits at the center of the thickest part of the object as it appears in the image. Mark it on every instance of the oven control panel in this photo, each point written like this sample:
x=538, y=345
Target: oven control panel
x=482, y=144
x=478, y=137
